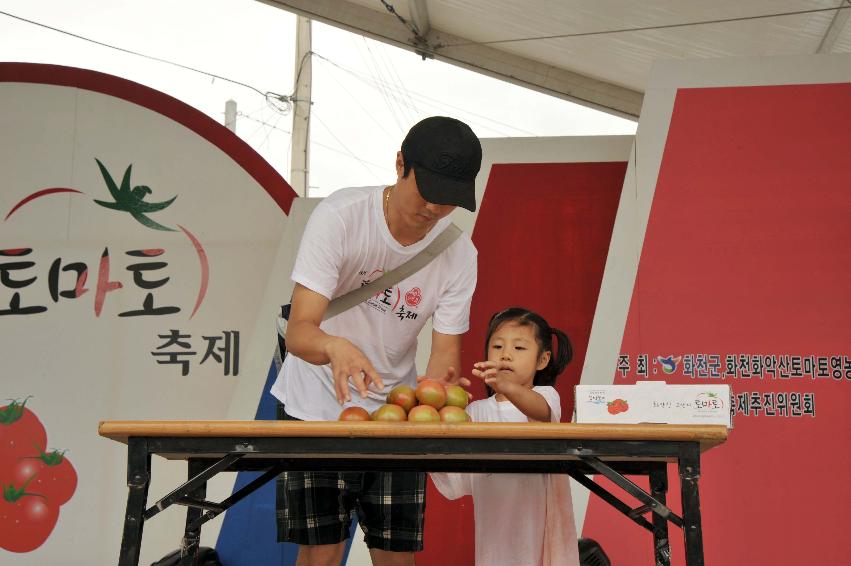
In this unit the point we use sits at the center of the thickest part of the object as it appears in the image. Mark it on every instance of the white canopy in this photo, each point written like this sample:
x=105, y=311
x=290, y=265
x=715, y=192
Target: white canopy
x=594, y=52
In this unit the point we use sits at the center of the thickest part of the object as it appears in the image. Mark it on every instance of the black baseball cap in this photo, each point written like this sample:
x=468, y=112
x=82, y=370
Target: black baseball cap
x=445, y=155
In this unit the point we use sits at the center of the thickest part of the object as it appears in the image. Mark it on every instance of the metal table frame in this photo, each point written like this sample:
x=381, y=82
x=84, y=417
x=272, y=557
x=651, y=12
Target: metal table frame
x=615, y=459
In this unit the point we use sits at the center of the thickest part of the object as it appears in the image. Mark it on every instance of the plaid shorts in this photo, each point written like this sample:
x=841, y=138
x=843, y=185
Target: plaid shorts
x=317, y=507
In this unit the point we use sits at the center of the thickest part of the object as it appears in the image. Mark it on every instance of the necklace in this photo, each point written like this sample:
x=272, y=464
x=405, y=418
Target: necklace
x=387, y=206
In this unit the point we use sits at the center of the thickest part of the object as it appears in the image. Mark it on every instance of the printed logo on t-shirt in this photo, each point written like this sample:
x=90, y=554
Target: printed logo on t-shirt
x=390, y=300
x=413, y=297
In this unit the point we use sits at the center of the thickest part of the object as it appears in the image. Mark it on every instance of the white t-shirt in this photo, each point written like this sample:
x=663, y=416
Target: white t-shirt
x=511, y=510
x=347, y=244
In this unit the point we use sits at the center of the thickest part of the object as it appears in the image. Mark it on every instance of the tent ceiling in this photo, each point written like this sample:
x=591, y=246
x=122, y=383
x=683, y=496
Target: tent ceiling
x=606, y=71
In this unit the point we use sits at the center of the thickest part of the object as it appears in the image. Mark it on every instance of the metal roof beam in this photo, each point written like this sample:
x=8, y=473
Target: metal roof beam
x=419, y=16
x=487, y=60
x=837, y=24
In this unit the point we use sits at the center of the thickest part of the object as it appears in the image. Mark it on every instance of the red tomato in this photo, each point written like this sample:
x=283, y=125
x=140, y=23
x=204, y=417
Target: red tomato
x=50, y=475
x=25, y=521
x=21, y=434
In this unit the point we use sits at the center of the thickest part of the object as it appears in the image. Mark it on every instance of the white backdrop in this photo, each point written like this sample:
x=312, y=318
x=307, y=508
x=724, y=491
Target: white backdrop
x=77, y=367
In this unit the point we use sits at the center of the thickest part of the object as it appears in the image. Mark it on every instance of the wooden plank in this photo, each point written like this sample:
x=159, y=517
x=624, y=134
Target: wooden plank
x=707, y=435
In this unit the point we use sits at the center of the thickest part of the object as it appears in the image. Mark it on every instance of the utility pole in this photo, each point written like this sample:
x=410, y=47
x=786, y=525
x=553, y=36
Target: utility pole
x=300, y=159
x=230, y=115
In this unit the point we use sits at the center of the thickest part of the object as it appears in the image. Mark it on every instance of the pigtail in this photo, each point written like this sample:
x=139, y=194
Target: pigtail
x=562, y=353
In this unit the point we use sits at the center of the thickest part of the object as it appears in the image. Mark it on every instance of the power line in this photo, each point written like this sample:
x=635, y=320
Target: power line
x=385, y=91
x=271, y=97
x=350, y=152
x=434, y=103
x=266, y=137
x=250, y=136
x=268, y=94
x=320, y=144
x=644, y=28
x=362, y=107
x=397, y=87
x=372, y=82
x=397, y=79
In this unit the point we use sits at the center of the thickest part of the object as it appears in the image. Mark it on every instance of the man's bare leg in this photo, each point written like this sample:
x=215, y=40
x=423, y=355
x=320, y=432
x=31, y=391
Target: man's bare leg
x=387, y=558
x=321, y=554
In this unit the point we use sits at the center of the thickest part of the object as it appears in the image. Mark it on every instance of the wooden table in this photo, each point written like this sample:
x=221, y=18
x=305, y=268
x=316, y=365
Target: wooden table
x=271, y=447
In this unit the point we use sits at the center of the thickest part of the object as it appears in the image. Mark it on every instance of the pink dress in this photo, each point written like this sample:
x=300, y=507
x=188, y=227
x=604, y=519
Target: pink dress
x=521, y=519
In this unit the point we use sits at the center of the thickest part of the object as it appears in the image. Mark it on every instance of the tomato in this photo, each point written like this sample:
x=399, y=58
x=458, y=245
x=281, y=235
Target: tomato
x=49, y=474
x=21, y=434
x=26, y=520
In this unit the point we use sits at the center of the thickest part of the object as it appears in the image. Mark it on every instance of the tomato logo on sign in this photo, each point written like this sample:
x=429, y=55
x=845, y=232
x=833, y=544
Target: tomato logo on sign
x=413, y=297
x=709, y=400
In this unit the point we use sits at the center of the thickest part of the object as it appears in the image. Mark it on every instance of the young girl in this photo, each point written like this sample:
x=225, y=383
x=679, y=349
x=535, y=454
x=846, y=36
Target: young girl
x=521, y=519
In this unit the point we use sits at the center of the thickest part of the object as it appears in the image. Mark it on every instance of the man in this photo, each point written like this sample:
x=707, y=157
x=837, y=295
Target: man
x=354, y=358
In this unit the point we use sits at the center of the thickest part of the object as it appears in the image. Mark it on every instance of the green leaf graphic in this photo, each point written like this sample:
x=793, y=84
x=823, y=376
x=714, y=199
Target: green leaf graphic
x=132, y=200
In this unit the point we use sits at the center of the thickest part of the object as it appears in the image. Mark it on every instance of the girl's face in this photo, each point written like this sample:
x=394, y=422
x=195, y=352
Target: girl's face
x=515, y=347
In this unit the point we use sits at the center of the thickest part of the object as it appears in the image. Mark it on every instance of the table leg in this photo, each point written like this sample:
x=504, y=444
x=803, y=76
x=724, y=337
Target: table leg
x=192, y=536
x=659, y=490
x=138, y=480
x=689, y=465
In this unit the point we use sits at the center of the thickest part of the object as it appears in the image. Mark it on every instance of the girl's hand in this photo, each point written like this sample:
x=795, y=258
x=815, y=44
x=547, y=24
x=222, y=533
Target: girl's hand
x=491, y=373
x=530, y=402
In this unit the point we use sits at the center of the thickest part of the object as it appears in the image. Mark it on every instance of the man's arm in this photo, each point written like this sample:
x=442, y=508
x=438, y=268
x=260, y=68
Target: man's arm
x=310, y=343
x=444, y=363
x=304, y=338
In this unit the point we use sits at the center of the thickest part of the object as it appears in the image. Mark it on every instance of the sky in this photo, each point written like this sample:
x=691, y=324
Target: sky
x=366, y=94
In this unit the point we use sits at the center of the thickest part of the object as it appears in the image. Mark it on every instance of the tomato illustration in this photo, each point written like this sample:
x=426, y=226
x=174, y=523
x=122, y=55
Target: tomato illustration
x=48, y=474
x=34, y=482
x=26, y=519
x=21, y=434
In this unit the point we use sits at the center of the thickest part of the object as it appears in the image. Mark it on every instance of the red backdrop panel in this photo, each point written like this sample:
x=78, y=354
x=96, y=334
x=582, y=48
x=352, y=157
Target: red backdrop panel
x=543, y=234
x=747, y=251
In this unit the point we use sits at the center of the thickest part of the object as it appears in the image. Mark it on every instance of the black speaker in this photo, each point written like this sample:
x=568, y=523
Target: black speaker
x=591, y=553
x=206, y=557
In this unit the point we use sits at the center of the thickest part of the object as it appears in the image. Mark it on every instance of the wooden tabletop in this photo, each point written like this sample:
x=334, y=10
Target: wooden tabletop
x=707, y=435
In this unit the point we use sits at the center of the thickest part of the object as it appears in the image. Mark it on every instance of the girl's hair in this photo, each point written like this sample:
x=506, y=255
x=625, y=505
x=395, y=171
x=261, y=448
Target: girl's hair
x=544, y=333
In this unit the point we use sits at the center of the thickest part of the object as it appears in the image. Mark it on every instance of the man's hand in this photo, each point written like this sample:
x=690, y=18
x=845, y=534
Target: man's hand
x=348, y=362
x=449, y=378
x=307, y=341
